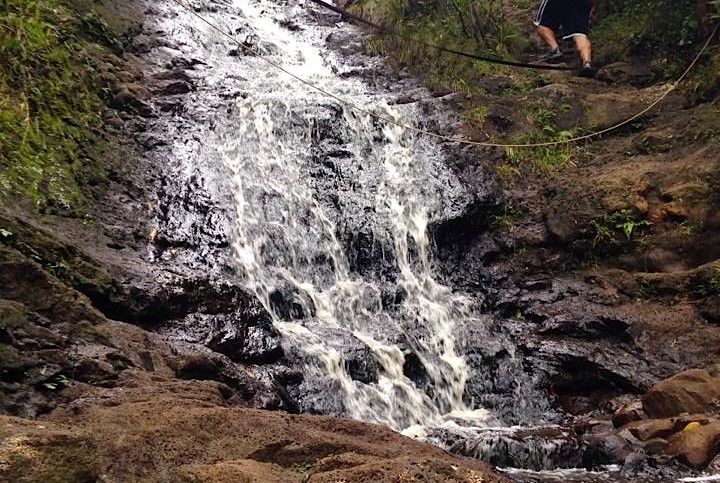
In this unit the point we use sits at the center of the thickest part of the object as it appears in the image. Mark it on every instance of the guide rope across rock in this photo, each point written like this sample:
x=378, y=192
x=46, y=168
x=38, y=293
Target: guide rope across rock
x=453, y=139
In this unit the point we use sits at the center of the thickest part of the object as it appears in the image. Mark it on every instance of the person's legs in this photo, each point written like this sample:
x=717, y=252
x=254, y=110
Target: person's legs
x=547, y=22
x=577, y=25
x=548, y=35
x=584, y=48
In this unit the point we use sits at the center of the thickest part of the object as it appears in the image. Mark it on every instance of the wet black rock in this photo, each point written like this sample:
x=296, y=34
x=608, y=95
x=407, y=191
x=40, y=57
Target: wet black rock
x=497, y=379
x=606, y=449
x=530, y=448
x=587, y=327
x=183, y=63
x=322, y=395
x=233, y=336
x=174, y=88
x=291, y=303
x=226, y=319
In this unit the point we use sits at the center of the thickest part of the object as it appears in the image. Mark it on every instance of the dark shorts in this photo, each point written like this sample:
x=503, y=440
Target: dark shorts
x=571, y=17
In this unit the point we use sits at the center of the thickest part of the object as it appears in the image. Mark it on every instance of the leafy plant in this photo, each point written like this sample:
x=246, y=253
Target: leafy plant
x=617, y=230
x=58, y=382
x=666, y=32
x=477, y=26
x=508, y=219
x=303, y=467
x=645, y=289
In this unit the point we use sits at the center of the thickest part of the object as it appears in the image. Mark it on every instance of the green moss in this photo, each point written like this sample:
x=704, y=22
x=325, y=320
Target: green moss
x=64, y=262
x=476, y=117
x=542, y=159
x=50, y=107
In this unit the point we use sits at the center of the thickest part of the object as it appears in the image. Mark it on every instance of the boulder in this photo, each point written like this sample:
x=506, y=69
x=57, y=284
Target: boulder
x=625, y=73
x=243, y=339
x=652, y=428
x=696, y=448
x=655, y=446
x=605, y=449
x=628, y=413
x=693, y=391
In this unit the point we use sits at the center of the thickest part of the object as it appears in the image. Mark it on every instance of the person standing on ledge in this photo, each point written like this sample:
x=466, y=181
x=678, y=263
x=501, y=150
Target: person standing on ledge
x=573, y=17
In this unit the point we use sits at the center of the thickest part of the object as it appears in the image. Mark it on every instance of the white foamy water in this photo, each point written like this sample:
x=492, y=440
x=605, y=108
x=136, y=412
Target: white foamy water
x=307, y=175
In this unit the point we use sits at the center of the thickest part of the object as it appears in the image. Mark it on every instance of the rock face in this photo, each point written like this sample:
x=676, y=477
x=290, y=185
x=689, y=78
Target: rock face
x=693, y=391
x=696, y=447
x=158, y=430
x=119, y=403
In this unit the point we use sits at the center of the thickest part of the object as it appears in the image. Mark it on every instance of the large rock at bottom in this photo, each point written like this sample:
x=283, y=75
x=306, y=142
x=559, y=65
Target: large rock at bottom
x=693, y=391
x=164, y=430
x=698, y=447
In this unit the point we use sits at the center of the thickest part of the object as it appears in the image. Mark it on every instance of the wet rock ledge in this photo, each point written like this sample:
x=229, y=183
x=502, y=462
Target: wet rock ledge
x=88, y=399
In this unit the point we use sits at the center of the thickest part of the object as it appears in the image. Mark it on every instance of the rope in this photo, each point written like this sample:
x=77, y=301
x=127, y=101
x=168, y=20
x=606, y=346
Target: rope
x=452, y=139
x=389, y=31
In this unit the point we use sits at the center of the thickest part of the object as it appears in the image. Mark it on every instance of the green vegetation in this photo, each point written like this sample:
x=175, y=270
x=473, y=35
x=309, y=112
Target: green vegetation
x=469, y=25
x=476, y=117
x=303, y=467
x=58, y=382
x=705, y=284
x=50, y=105
x=646, y=289
x=665, y=33
x=508, y=219
x=543, y=159
x=620, y=231
x=64, y=262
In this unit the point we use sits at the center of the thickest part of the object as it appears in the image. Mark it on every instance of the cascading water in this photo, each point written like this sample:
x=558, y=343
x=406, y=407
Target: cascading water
x=330, y=222
x=286, y=239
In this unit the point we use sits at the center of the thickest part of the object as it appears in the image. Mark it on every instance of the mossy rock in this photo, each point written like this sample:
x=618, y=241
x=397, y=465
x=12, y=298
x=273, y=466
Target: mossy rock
x=12, y=315
x=51, y=100
x=12, y=362
x=63, y=261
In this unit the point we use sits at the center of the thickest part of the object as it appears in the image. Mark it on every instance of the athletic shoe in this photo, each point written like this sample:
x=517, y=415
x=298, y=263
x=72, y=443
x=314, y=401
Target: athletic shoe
x=587, y=70
x=553, y=56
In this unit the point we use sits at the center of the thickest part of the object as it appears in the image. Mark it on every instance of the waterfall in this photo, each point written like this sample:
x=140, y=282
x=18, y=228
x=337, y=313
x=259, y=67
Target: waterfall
x=330, y=215
x=286, y=145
